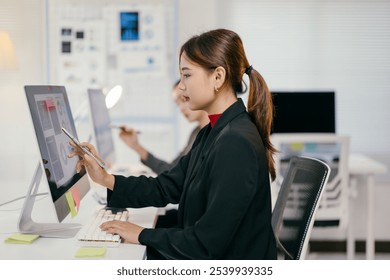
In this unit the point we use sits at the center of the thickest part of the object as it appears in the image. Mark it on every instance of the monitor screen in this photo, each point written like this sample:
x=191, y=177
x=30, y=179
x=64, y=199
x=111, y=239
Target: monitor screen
x=50, y=110
x=101, y=121
x=304, y=112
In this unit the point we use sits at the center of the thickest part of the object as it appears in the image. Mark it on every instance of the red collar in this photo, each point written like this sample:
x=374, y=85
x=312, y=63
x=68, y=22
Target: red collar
x=213, y=119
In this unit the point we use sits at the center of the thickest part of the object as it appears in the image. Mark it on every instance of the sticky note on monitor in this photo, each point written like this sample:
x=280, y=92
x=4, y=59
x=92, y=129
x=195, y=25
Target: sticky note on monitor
x=71, y=204
x=76, y=197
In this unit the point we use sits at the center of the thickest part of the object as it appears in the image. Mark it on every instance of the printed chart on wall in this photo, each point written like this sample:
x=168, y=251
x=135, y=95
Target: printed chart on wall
x=98, y=44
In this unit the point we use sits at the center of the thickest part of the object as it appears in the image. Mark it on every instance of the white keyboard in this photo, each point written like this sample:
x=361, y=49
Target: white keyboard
x=91, y=234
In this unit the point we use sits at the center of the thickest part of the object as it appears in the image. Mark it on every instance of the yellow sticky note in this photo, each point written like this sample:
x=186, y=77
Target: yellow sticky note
x=20, y=238
x=296, y=147
x=72, y=207
x=91, y=252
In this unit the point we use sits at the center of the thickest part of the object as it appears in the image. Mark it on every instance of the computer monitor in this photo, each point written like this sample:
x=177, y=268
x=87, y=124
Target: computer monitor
x=50, y=111
x=304, y=111
x=101, y=121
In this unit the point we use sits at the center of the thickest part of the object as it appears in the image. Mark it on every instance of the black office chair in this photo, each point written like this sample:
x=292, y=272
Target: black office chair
x=296, y=205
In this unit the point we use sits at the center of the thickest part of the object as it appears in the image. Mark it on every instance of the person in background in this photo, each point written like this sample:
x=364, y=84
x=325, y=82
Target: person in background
x=130, y=138
x=222, y=184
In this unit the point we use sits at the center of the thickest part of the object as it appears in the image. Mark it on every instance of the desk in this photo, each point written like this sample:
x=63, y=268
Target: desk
x=65, y=249
x=360, y=165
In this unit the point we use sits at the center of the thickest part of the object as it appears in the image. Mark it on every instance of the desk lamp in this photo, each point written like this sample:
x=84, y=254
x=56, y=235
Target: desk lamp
x=112, y=97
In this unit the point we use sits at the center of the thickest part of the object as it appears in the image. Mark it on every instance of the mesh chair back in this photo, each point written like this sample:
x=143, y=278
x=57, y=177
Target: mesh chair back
x=332, y=215
x=297, y=203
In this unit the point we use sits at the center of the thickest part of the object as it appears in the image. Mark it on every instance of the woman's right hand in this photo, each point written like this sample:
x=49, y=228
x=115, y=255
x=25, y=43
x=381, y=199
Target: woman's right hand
x=129, y=136
x=95, y=172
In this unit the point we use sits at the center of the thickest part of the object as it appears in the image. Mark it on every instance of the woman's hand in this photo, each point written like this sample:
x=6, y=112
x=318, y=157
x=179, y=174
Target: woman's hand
x=128, y=231
x=95, y=172
x=129, y=136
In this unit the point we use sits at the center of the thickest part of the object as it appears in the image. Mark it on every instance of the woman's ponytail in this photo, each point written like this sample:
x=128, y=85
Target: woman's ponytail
x=260, y=108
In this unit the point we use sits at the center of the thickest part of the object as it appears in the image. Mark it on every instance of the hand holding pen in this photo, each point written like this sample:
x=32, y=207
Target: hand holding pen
x=124, y=128
x=84, y=149
x=95, y=171
x=129, y=136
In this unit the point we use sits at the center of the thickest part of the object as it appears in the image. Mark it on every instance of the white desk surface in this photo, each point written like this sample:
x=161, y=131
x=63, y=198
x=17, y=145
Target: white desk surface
x=65, y=249
x=362, y=165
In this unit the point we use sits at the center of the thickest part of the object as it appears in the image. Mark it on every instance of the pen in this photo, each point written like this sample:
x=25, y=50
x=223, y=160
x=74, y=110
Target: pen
x=122, y=128
x=84, y=149
x=101, y=164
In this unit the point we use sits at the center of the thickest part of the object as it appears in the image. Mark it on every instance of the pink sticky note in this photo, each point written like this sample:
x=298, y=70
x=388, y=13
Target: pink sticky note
x=76, y=197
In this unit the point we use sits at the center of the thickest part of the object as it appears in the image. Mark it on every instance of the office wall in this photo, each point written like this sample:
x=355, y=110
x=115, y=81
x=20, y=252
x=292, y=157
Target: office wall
x=18, y=154
x=88, y=49
x=341, y=45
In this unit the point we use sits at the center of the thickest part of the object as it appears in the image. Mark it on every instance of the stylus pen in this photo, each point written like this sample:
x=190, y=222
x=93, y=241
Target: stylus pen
x=101, y=164
x=84, y=149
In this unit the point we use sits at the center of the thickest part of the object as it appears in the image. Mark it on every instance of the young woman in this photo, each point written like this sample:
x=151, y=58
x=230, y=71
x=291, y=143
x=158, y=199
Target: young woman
x=223, y=184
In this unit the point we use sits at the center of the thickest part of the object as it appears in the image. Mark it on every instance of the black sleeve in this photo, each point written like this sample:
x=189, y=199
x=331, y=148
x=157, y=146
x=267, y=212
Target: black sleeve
x=167, y=187
x=145, y=191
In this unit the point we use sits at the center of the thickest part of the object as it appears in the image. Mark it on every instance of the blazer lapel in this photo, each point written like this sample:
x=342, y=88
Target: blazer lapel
x=211, y=135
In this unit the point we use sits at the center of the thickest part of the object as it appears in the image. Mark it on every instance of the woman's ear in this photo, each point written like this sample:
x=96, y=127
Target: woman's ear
x=220, y=75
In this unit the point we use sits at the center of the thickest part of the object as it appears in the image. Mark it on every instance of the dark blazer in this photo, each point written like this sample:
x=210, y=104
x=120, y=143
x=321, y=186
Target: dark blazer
x=223, y=189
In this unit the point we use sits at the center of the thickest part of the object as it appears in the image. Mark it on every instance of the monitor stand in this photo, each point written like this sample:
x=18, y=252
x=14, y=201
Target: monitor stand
x=27, y=225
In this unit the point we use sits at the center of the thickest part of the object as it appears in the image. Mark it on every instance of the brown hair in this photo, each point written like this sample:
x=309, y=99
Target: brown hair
x=222, y=47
